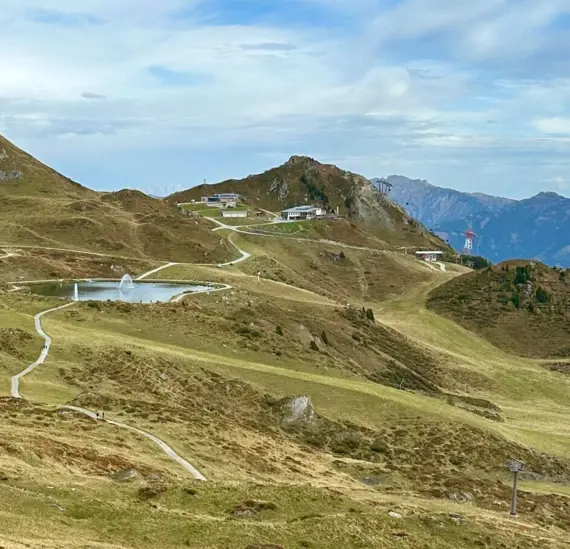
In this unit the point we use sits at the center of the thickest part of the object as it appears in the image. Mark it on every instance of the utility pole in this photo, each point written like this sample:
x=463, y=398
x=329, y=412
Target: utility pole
x=515, y=467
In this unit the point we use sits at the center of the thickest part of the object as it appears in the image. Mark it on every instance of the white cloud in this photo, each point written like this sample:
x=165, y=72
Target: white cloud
x=554, y=126
x=398, y=83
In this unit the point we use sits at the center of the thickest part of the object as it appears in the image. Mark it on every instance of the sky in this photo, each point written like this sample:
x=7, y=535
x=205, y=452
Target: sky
x=162, y=95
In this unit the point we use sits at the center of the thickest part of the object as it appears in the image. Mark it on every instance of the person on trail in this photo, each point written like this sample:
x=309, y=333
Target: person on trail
x=103, y=416
x=97, y=414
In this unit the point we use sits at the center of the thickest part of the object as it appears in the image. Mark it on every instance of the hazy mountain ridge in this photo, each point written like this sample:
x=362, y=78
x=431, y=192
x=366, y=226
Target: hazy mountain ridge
x=533, y=228
x=434, y=205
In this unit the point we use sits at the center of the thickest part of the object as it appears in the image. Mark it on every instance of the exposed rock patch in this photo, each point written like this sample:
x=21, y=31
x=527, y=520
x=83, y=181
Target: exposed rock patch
x=295, y=411
x=126, y=475
x=251, y=508
x=10, y=175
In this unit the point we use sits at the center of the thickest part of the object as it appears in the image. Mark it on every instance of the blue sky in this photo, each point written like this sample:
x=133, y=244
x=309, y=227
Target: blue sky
x=162, y=95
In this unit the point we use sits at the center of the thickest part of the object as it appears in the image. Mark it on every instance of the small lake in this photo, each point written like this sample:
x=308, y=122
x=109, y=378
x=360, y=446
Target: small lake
x=140, y=292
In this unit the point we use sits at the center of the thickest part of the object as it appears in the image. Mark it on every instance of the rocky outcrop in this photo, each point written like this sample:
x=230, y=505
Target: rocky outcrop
x=296, y=411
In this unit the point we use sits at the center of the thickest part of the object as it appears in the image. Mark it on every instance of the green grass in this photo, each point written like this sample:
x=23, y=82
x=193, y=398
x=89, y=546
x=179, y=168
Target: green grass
x=186, y=373
x=289, y=228
x=245, y=222
x=200, y=518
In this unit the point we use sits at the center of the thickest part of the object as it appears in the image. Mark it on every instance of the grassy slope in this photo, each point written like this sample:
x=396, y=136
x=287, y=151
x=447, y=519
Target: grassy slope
x=215, y=407
x=38, y=206
x=332, y=269
x=484, y=301
x=41, y=264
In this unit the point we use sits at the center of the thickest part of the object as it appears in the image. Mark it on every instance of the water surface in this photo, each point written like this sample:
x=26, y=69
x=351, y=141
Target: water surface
x=140, y=292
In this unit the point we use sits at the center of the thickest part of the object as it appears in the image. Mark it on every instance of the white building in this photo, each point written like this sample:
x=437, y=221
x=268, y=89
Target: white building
x=302, y=212
x=233, y=213
x=429, y=256
x=222, y=200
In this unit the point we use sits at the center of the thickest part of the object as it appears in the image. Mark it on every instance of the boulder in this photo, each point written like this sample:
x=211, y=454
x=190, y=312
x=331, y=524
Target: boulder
x=296, y=411
x=126, y=475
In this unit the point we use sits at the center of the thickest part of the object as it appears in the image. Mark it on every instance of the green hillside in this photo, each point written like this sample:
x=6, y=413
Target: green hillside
x=40, y=207
x=520, y=306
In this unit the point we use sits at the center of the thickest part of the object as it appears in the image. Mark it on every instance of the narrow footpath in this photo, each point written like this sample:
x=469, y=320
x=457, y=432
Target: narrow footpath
x=160, y=443
x=43, y=356
x=158, y=269
x=15, y=390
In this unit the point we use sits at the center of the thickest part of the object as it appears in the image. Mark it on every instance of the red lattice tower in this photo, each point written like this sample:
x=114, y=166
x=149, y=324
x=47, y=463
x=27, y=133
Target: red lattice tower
x=470, y=237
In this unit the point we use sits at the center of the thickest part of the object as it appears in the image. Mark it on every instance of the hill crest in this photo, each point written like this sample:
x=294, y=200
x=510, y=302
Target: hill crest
x=304, y=180
x=22, y=175
x=520, y=306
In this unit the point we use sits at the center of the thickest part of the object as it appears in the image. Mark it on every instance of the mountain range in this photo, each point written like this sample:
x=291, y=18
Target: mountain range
x=533, y=228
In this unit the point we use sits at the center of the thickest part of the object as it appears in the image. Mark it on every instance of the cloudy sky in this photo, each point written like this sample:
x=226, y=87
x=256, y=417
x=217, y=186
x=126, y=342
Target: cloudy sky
x=162, y=94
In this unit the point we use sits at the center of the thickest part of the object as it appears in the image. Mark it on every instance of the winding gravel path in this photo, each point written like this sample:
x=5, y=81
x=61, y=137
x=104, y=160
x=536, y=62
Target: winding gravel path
x=160, y=443
x=146, y=275
x=15, y=390
x=208, y=291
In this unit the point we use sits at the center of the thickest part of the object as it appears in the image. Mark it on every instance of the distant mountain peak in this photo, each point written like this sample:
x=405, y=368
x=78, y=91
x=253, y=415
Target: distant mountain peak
x=534, y=228
x=549, y=194
x=298, y=159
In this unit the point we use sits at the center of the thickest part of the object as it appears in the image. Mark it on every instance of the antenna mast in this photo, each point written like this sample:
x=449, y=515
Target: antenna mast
x=384, y=186
x=470, y=236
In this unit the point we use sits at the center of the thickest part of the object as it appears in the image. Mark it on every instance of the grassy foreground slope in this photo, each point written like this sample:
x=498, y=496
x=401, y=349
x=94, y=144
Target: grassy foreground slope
x=399, y=421
x=369, y=450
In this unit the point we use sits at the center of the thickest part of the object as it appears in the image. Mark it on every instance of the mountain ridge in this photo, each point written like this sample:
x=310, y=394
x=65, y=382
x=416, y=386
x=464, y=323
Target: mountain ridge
x=41, y=207
x=532, y=228
x=433, y=205
x=303, y=180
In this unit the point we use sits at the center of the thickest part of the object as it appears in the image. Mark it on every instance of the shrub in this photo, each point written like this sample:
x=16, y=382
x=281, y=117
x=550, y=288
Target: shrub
x=314, y=346
x=379, y=446
x=542, y=296
x=279, y=331
x=516, y=300
x=248, y=332
x=325, y=338
x=370, y=315
x=151, y=491
x=475, y=261
x=522, y=275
